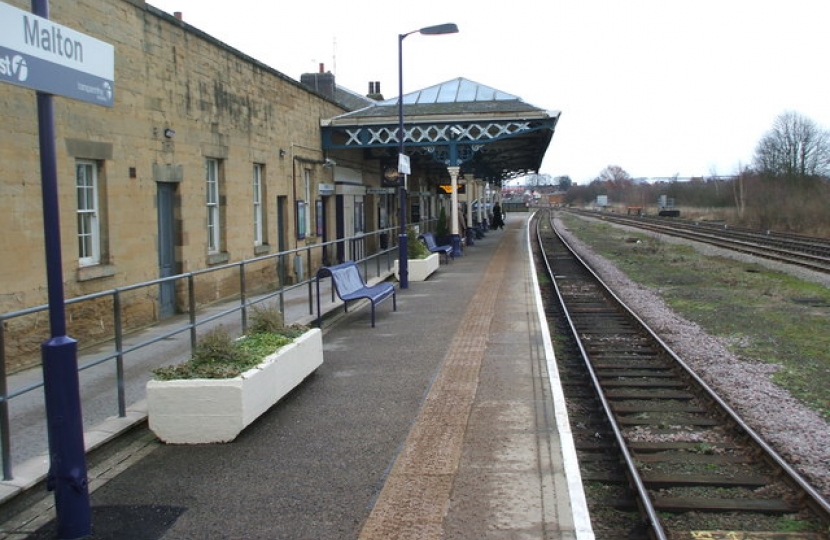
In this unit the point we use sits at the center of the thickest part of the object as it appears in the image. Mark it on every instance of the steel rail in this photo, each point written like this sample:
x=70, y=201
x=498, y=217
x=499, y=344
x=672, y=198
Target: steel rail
x=817, y=500
x=813, y=498
x=813, y=254
x=645, y=500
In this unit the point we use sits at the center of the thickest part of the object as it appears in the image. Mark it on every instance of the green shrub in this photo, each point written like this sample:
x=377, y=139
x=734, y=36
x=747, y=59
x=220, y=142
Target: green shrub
x=218, y=356
x=266, y=319
x=415, y=249
x=442, y=228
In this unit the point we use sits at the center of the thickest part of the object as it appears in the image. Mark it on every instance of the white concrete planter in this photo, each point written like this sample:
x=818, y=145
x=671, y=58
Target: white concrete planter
x=195, y=411
x=419, y=269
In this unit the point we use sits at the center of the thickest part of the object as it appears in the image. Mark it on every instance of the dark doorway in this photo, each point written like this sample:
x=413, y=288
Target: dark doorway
x=166, y=204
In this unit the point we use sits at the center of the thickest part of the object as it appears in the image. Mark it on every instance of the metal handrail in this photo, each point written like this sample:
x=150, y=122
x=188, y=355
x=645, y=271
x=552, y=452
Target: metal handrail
x=196, y=315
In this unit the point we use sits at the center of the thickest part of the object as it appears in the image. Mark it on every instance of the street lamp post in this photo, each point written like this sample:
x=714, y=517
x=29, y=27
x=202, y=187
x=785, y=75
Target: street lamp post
x=403, y=166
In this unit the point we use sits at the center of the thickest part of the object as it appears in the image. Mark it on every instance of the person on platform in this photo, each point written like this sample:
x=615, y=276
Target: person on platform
x=498, y=218
x=462, y=220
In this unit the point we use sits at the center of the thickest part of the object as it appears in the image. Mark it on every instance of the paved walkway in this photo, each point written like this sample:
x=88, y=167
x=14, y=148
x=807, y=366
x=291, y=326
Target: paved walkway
x=444, y=422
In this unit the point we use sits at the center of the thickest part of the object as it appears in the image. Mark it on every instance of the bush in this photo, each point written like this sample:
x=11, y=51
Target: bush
x=415, y=249
x=270, y=320
x=441, y=228
x=266, y=319
x=218, y=356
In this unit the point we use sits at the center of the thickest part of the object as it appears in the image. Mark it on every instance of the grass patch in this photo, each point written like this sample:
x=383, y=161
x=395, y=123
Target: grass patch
x=766, y=316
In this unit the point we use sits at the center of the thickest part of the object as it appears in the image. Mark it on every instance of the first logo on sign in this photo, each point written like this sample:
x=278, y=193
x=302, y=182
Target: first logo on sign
x=14, y=67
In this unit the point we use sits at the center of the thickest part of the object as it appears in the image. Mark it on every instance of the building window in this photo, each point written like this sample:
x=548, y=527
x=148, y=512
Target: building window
x=302, y=215
x=319, y=217
x=89, y=226
x=214, y=229
x=359, y=223
x=259, y=228
x=307, y=198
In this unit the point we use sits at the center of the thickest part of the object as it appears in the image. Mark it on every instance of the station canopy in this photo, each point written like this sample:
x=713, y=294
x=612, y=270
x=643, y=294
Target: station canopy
x=490, y=134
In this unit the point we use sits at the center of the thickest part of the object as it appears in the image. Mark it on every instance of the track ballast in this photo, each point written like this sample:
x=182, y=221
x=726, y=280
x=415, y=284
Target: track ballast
x=661, y=455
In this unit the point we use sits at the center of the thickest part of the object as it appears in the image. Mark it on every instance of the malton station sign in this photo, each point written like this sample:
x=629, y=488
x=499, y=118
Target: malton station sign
x=39, y=54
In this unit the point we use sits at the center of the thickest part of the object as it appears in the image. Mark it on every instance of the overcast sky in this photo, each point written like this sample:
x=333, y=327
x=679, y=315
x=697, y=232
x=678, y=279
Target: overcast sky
x=657, y=87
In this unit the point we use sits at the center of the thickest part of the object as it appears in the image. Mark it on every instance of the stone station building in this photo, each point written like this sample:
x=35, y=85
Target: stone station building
x=209, y=157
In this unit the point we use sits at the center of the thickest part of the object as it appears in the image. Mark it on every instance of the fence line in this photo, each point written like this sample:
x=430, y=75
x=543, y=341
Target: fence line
x=373, y=247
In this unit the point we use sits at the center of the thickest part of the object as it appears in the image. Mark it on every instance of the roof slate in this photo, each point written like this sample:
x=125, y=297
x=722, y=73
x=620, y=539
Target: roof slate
x=455, y=97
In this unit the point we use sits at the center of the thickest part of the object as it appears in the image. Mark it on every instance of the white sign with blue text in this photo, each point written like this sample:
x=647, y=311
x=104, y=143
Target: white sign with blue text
x=39, y=54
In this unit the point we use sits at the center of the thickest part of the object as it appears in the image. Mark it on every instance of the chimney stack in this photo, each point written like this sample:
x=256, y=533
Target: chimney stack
x=374, y=91
x=322, y=82
x=178, y=15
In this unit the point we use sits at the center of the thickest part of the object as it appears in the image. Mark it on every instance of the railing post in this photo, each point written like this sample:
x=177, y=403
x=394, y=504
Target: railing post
x=4, y=409
x=243, y=297
x=119, y=359
x=310, y=286
x=191, y=308
x=378, y=253
x=281, y=269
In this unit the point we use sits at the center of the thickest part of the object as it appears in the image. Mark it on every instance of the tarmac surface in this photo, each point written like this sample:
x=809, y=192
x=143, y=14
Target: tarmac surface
x=445, y=421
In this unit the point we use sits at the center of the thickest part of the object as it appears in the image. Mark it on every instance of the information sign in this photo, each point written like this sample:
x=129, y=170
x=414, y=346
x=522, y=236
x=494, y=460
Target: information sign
x=39, y=54
x=403, y=164
x=380, y=191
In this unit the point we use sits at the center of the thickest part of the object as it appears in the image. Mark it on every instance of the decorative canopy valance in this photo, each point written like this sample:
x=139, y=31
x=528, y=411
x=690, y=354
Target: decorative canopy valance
x=490, y=134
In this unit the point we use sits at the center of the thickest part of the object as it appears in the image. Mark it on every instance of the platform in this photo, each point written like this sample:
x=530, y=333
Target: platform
x=445, y=421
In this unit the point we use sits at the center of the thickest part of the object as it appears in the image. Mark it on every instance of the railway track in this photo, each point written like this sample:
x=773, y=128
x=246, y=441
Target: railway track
x=807, y=252
x=661, y=455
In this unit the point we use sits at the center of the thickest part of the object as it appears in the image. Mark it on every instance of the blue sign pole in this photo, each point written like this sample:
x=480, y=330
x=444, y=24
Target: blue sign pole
x=67, y=470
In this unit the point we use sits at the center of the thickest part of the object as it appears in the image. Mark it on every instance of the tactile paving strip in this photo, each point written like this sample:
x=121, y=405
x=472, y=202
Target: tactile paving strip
x=415, y=498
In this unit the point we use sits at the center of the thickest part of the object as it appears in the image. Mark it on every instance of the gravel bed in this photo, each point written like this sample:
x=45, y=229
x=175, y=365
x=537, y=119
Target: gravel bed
x=796, y=432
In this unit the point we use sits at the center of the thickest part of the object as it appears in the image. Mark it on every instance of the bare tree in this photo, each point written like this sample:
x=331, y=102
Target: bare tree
x=614, y=181
x=794, y=147
x=613, y=174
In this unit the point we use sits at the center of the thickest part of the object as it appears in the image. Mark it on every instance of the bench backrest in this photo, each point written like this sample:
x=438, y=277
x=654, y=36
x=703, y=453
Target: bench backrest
x=346, y=277
x=429, y=238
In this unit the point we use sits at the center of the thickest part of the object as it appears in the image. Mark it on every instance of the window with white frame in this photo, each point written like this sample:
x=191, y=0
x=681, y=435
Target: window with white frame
x=214, y=230
x=89, y=227
x=259, y=237
x=302, y=214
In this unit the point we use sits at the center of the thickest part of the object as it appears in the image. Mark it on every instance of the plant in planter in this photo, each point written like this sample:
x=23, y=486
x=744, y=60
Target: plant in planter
x=415, y=249
x=228, y=383
x=421, y=263
x=442, y=229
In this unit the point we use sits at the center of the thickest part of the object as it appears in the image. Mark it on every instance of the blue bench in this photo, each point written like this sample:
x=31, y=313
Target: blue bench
x=349, y=285
x=433, y=247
